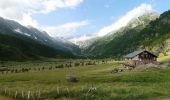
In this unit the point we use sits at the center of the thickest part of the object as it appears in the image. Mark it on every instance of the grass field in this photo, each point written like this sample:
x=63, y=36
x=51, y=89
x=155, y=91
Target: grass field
x=164, y=59
x=96, y=82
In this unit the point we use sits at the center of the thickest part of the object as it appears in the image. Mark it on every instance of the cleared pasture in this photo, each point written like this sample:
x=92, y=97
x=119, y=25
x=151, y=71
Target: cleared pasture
x=96, y=82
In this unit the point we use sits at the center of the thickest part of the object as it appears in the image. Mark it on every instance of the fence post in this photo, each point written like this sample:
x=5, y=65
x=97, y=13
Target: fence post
x=58, y=90
x=16, y=92
x=67, y=90
x=28, y=95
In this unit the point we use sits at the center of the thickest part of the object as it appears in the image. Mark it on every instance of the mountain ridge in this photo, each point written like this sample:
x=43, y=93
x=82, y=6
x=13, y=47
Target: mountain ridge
x=119, y=43
x=149, y=31
x=23, y=37
x=85, y=43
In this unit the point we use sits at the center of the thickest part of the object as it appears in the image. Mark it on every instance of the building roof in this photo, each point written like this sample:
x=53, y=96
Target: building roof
x=135, y=53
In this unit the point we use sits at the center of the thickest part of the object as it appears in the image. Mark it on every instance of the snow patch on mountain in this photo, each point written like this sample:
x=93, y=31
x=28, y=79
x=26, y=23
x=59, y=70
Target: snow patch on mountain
x=35, y=38
x=19, y=31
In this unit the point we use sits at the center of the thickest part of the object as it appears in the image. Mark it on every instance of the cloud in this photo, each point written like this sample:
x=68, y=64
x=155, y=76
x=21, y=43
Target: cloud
x=121, y=22
x=65, y=30
x=124, y=20
x=51, y=5
x=81, y=39
x=22, y=10
x=28, y=20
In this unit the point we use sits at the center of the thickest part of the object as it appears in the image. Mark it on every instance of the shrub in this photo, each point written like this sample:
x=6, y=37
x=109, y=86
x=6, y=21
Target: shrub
x=76, y=64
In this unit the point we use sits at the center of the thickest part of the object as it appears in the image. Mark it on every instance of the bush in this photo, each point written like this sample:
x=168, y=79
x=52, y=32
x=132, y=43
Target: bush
x=76, y=64
x=59, y=66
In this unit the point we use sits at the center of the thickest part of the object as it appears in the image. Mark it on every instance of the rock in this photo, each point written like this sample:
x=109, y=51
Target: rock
x=72, y=78
x=116, y=70
x=148, y=67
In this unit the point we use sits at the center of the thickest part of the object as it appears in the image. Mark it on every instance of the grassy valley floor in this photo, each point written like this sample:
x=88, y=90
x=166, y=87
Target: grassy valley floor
x=96, y=82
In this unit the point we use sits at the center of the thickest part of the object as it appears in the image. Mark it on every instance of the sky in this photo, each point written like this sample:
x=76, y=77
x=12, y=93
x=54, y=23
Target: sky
x=77, y=20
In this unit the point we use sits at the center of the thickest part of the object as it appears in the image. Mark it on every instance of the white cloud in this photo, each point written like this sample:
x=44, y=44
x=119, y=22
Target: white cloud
x=50, y=5
x=28, y=20
x=22, y=10
x=65, y=30
x=82, y=39
x=123, y=21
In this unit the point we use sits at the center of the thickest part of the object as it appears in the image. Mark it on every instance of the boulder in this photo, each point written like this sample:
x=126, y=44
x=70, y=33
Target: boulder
x=72, y=78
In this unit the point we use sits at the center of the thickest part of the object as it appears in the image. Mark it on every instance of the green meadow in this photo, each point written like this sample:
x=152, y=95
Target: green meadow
x=95, y=82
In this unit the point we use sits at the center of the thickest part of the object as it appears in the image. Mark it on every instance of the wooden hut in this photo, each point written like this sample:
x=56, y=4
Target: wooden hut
x=142, y=57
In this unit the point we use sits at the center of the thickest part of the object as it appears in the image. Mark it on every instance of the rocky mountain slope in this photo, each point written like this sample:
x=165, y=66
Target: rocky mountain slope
x=125, y=40
x=150, y=31
x=20, y=42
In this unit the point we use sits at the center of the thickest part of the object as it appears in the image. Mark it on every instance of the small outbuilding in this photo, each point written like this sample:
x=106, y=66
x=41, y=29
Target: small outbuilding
x=142, y=57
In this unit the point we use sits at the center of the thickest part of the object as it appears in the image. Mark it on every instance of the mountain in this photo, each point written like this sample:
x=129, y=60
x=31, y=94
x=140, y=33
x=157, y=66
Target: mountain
x=23, y=48
x=66, y=45
x=150, y=31
x=125, y=40
x=20, y=42
x=37, y=35
x=157, y=35
x=85, y=43
x=57, y=43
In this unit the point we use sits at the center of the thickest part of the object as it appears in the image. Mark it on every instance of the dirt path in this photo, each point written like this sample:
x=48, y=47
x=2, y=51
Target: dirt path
x=5, y=98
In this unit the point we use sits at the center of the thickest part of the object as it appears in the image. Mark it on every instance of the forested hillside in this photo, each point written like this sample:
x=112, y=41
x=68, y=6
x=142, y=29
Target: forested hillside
x=22, y=48
x=18, y=42
x=146, y=32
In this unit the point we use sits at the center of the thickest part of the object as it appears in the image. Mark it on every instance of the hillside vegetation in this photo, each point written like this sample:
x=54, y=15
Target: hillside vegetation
x=23, y=48
x=146, y=32
x=18, y=42
x=149, y=31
